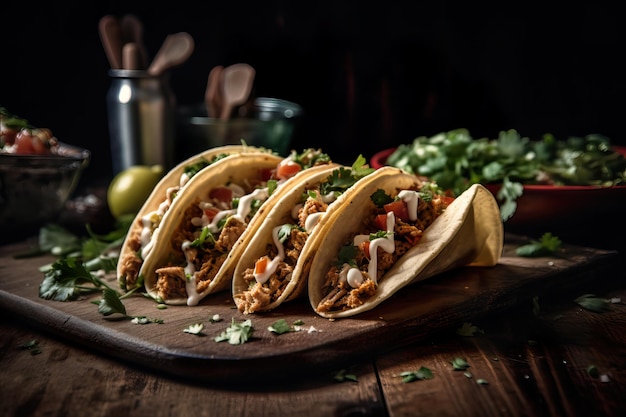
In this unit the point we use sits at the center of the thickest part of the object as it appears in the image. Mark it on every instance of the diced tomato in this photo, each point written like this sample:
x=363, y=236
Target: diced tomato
x=287, y=170
x=399, y=208
x=25, y=143
x=365, y=248
x=266, y=174
x=211, y=212
x=381, y=222
x=446, y=200
x=413, y=239
x=221, y=194
x=261, y=265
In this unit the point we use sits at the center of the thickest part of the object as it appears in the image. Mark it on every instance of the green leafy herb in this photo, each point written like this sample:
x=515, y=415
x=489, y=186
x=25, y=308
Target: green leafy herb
x=343, y=178
x=205, y=237
x=347, y=255
x=546, y=246
x=459, y=364
x=280, y=326
x=481, y=381
x=195, y=328
x=237, y=333
x=592, y=303
x=593, y=371
x=343, y=375
x=468, y=330
x=145, y=320
x=420, y=374
x=455, y=160
x=378, y=234
x=285, y=231
x=32, y=346
x=110, y=303
x=380, y=198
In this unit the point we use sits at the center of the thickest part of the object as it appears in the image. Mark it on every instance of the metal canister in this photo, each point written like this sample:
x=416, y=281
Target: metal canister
x=141, y=110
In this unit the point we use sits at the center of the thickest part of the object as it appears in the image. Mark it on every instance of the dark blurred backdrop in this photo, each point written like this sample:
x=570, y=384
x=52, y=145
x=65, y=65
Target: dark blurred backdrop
x=368, y=78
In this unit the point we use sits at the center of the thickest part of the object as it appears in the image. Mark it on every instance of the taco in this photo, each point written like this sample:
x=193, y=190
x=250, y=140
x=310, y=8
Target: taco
x=273, y=268
x=138, y=242
x=396, y=230
x=206, y=228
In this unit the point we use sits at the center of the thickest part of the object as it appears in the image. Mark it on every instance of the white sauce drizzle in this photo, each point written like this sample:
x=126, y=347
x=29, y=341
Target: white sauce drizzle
x=245, y=202
x=329, y=198
x=410, y=197
x=312, y=220
x=242, y=211
x=387, y=243
x=262, y=277
x=193, y=298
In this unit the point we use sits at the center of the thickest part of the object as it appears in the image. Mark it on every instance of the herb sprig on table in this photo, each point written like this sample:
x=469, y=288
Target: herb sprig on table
x=81, y=265
x=455, y=160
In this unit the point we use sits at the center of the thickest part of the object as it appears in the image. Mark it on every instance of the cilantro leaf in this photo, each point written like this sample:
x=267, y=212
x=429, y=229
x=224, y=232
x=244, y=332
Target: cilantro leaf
x=343, y=178
x=195, y=328
x=237, y=333
x=62, y=282
x=592, y=303
x=547, y=245
x=459, y=364
x=279, y=327
x=342, y=375
x=110, y=303
x=468, y=330
x=421, y=374
x=380, y=198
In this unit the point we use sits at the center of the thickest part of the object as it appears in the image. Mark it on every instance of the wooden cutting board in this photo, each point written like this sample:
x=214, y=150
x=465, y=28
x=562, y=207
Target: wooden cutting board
x=443, y=302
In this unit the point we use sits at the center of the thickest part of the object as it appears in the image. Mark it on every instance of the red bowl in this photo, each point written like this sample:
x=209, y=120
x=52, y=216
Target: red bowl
x=548, y=208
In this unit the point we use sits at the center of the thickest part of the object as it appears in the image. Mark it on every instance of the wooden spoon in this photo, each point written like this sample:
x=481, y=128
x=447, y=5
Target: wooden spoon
x=175, y=50
x=213, y=94
x=130, y=57
x=237, y=85
x=132, y=30
x=111, y=37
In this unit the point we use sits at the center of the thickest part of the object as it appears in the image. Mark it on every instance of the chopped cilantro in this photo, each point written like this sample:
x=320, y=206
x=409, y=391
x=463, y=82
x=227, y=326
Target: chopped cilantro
x=347, y=255
x=195, y=328
x=343, y=178
x=459, y=364
x=380, y=198
x=379, y=234
x=547, y=245
x=285, y=231
x=237, y=333
x=421, y=374
x=343, y=375
x=455, y=160
x=280, y=326
x=205, y=237
x=468, y=330
x=592, y=303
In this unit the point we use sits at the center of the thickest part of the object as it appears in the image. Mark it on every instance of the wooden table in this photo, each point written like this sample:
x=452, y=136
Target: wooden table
x=526, y=361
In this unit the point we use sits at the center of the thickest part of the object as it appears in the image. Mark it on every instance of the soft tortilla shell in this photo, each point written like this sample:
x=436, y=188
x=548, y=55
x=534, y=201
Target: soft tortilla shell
x=232, y=169
x=279, y=214
x=469, y=232
x=172, y=179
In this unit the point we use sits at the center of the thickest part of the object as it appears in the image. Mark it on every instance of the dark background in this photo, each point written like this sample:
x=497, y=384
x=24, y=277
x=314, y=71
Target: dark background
x=368, y=78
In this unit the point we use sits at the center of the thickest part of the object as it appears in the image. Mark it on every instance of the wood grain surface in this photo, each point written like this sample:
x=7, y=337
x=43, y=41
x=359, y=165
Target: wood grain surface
x=417, y=312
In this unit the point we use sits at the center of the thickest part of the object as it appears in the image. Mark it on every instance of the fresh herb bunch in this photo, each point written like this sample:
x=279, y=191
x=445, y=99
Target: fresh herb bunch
x=455, y=160
x=81, y=265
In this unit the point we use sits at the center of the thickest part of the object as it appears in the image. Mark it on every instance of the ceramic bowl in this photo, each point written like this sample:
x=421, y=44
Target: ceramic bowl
x=34, y=188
